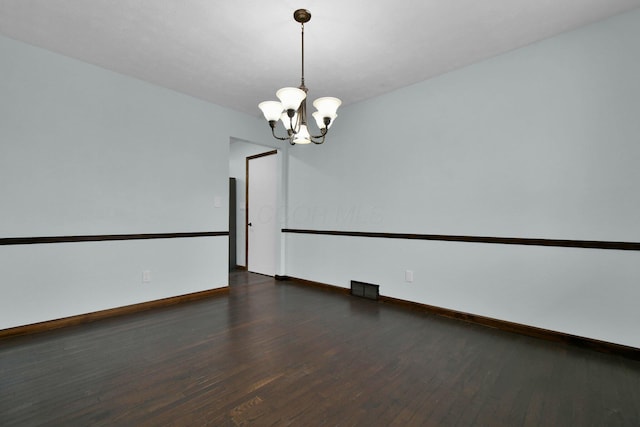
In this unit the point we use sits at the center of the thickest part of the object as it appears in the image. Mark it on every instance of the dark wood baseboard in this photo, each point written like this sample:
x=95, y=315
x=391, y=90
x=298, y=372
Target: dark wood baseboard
x=112, y=312
x=532, y=331
x=320, y=285
x=241, y=267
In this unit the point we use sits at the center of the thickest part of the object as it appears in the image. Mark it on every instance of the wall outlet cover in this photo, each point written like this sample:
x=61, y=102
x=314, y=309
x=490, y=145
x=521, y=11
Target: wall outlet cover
x=146, y=276
x=408, y=276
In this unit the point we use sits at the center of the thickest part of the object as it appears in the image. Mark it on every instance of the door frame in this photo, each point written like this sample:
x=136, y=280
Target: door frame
x=246, y=201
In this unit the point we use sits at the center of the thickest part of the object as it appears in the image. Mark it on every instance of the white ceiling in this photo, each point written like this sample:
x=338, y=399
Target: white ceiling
x=236, y=53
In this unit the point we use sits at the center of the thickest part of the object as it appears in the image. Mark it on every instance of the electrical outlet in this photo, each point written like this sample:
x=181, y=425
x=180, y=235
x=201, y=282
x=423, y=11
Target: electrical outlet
x=408, y=276
x=146, y=276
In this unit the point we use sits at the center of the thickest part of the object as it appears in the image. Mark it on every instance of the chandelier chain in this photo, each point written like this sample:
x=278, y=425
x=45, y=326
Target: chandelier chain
x=302, y=37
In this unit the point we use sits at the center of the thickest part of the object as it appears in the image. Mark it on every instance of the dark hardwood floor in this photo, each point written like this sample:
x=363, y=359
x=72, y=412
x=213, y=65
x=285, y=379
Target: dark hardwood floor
x=278, y=353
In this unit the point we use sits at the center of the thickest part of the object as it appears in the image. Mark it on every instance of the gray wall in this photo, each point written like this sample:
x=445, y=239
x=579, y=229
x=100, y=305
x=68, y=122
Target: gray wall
x=84, y=151
x=542, y=142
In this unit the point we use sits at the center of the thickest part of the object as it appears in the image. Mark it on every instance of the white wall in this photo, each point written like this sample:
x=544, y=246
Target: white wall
x=542, y=142
x=85, y=151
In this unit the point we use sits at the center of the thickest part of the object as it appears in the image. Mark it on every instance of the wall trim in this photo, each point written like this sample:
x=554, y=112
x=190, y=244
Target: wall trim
x=588, y=244
x=112, y=312
x=266, y=153
x=532, y=331
x=105, y=237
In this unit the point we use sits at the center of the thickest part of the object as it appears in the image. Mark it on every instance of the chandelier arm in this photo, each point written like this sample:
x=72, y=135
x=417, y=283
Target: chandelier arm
x=273, y=131
x=323, y=132
x=319, y=139
x=302, y=114
x=293, y=128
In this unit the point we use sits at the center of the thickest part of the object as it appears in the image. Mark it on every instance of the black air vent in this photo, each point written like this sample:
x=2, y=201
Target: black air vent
x=365, y=290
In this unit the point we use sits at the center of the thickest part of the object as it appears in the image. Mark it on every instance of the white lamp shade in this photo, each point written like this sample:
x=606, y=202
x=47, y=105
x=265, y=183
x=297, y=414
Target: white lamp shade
x=327, y=106
x=291, y=97
x=302, y=137
x=271, y=110
x=320, y=119
x=287, y=122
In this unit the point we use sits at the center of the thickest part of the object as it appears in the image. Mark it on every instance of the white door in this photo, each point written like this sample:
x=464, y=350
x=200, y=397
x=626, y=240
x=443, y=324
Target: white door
x=261, y=213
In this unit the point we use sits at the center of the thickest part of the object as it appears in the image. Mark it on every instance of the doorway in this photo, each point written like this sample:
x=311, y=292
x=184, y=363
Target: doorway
x=261, y=212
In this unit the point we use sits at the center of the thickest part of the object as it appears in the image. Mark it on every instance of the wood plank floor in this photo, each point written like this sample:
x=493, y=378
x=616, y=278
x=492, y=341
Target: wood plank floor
x=277, y=353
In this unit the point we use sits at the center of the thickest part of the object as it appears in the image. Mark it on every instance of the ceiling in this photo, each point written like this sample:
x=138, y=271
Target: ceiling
x=238, y=53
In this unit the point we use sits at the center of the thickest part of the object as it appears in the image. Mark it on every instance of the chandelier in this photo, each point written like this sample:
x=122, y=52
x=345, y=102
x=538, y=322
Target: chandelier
x=291, y=110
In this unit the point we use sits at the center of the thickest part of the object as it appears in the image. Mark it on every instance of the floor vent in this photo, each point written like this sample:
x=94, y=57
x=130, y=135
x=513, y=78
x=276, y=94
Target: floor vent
x=365, y=290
